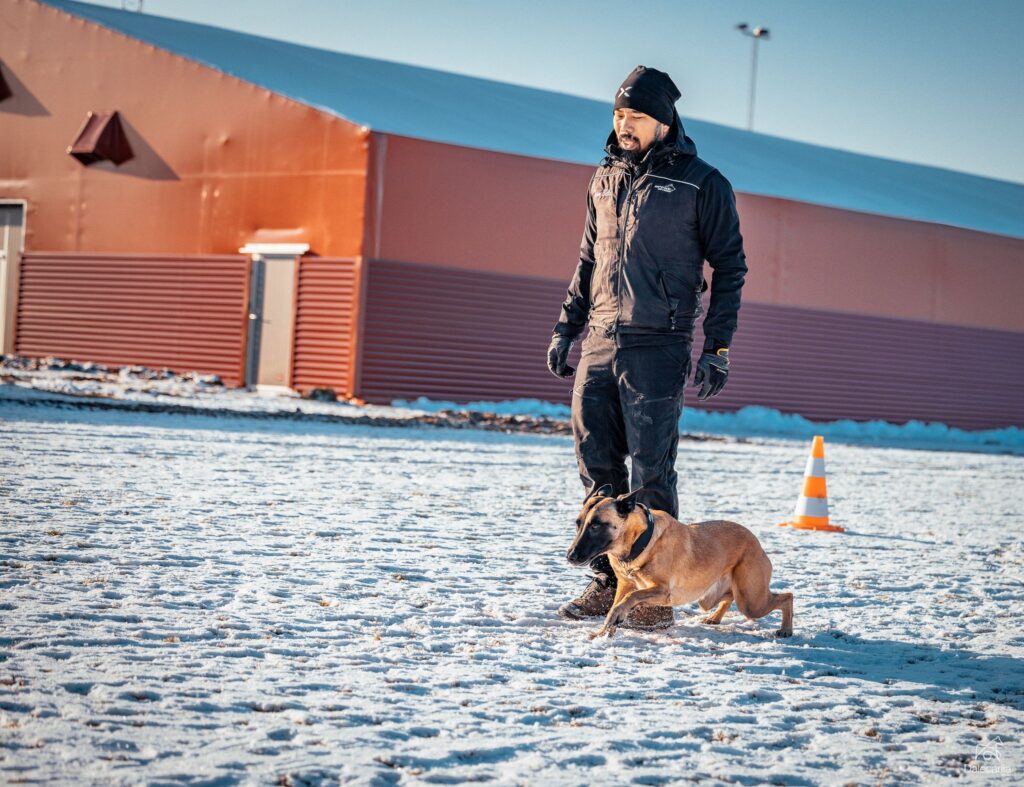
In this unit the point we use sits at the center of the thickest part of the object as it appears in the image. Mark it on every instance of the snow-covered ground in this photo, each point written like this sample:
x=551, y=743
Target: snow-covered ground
x=195, y=600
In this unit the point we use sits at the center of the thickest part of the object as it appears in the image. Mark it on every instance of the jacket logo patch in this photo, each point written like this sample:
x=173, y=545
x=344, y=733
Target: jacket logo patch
x=668, y=188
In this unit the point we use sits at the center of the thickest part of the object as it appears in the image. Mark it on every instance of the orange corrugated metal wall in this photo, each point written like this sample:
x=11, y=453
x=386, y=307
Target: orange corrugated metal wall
x=455, y=334
x=326, y=318
x=465, y=335
x=830, y=297
x=183, y=313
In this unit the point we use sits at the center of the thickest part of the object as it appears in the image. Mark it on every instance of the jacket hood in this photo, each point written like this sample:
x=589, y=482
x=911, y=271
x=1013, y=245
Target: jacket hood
x=675, y=143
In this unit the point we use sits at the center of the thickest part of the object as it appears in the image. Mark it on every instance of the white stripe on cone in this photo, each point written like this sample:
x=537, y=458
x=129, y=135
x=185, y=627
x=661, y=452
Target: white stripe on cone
x=811, y=506
x=815, y=467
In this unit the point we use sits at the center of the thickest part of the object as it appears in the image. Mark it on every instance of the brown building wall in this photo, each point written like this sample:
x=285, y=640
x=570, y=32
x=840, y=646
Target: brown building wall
x=327, y=310
x=216, y=159
x=464, y=336
x=822, y=258
x=476, y=209
x=187, y=313
x=472, y=209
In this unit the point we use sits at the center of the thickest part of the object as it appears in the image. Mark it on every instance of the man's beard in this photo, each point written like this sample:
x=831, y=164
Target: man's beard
x=633, y=155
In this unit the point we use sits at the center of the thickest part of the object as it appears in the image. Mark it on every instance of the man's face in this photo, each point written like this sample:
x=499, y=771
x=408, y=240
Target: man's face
x=636, y=132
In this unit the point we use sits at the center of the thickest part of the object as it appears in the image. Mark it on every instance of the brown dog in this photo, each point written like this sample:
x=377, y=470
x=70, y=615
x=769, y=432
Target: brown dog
x=659, y=560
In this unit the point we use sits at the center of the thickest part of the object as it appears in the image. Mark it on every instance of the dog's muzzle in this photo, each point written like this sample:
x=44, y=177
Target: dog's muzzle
x=584, y=549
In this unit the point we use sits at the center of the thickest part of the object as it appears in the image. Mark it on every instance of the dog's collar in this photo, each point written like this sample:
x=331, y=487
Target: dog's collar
x=645, y=538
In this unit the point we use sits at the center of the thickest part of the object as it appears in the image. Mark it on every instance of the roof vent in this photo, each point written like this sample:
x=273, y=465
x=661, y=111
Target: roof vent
x=5, y=89
x=101, y=138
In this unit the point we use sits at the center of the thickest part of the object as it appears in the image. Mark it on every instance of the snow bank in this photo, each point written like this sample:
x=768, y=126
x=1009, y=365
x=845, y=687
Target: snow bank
x=756, y=421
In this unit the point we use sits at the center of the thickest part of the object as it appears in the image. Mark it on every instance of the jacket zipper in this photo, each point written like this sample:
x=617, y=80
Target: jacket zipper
x=622, y=240
x=622, y=249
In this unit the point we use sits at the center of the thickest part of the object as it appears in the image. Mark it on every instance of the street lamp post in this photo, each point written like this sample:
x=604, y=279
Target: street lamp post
x=756, y=34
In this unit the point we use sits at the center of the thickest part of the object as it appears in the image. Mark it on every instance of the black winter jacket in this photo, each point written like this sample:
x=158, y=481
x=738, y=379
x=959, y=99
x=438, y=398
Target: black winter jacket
x=649, y=229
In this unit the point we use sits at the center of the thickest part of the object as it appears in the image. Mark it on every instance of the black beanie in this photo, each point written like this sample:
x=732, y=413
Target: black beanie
x=650, y=91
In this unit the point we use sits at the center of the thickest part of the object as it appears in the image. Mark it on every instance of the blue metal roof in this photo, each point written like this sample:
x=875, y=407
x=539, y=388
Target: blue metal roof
x=439, y=106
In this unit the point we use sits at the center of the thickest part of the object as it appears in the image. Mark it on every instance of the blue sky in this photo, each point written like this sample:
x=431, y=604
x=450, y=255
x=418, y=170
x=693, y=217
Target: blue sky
x=928, y=81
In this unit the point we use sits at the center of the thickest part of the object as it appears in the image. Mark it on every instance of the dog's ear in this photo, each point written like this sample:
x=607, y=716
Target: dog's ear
x=604, y=490
x=624, y=504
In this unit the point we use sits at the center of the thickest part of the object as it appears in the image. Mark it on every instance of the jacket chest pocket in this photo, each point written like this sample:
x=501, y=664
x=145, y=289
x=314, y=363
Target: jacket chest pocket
x=666, y=216
x=604, y=193
x=606, y=218
x=605, y=215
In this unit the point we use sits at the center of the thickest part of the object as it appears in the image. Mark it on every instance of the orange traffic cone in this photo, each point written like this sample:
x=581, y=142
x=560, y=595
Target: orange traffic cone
x=812, y=505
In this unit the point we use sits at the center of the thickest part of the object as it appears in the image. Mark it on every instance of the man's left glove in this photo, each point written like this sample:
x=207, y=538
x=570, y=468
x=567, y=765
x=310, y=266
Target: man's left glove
x=712, y=372
x=558, y=356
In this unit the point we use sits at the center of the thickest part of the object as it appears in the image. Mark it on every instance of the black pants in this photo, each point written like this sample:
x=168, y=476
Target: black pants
x=626, y=402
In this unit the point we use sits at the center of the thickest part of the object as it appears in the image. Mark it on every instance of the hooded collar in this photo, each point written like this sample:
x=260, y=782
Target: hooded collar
x=675, y=144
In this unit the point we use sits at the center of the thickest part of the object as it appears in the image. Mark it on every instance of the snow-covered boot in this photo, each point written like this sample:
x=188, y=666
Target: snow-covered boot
x=594, y=602
x=649, y=618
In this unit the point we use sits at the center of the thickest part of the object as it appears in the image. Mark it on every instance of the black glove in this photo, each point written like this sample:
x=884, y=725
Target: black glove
x=558, y=354
x=712, y=372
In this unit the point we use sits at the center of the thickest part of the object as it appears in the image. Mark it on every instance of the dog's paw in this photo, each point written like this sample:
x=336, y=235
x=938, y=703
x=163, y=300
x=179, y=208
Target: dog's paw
x=782, y=633
x=596, y=634
x=711, y=621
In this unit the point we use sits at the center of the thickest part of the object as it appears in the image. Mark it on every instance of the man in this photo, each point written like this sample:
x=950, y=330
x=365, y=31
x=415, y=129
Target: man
x=655, y=212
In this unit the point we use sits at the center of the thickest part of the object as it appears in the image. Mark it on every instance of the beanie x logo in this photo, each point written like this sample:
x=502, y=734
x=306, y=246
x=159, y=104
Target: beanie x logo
x=624, y=91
